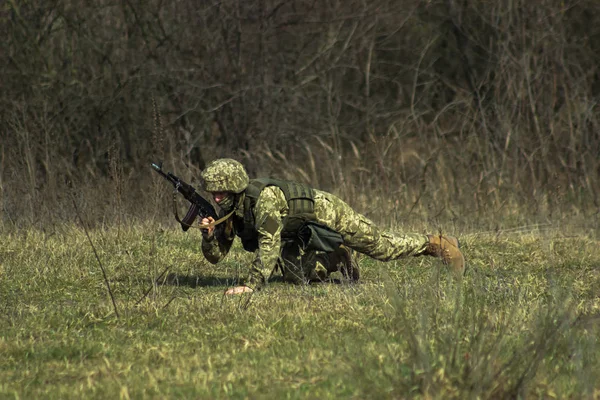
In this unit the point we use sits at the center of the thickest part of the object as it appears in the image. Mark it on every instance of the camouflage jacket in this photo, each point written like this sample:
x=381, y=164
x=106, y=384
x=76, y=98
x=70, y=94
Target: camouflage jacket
x=270, y=209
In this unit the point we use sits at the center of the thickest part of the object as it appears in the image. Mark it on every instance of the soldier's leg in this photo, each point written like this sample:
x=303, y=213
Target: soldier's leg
x=290, y=263
x=318, y=265
x=362, y=235
x=383, y=245
x=315, y=266
x=344, y=261
x=301, y=267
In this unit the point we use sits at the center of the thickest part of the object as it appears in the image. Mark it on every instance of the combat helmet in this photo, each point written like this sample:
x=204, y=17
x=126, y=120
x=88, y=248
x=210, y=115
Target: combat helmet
x=225, y=175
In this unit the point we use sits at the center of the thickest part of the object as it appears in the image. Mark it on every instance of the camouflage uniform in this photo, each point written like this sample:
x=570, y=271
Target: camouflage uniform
x=357, y=231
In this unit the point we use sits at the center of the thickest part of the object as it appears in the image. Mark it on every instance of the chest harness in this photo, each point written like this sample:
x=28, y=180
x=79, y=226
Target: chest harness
x=300, y=226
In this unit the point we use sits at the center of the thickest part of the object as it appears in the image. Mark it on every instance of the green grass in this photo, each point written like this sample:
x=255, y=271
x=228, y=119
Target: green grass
x=523, y=322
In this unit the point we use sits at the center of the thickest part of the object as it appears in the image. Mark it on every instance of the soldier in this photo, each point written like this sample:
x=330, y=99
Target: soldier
x=305, y=232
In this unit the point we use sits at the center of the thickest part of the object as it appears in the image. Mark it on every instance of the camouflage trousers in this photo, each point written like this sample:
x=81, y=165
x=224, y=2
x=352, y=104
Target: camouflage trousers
x=298, y=266
x=359, y=233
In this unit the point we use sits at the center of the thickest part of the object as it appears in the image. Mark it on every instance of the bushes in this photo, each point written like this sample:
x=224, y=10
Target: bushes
x=467, y=105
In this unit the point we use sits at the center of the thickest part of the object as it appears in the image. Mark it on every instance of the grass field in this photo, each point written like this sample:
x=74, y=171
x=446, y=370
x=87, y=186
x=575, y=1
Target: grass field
x=524, y=322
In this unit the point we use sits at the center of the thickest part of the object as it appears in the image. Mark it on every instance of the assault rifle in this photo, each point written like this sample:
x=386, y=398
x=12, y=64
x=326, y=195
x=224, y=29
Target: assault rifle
x=199, y=205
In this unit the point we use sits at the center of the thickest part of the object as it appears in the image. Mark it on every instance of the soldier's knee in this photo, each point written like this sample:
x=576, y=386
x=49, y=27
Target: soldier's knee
x=292, y=271
x=294, y=278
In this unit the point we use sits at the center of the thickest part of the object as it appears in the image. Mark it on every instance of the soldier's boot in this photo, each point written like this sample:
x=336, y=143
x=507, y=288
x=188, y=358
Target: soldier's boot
x=344, y=261
x=448, y=249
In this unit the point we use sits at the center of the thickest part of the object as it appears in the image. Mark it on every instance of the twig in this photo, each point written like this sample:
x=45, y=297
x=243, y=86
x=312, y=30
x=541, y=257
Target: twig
x=246, y=303
x=170, y=301
x=150, y=288
x=112, y=298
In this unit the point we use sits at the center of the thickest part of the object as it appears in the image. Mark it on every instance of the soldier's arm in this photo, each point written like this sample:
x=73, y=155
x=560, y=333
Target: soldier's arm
x=271, y=208
x=215, y=247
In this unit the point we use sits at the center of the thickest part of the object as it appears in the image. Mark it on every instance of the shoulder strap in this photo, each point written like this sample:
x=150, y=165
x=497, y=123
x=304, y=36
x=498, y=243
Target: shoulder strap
x=255, y=186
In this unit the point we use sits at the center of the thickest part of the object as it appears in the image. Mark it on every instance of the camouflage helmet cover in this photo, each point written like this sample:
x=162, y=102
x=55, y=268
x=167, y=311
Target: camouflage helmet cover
x=225, y=175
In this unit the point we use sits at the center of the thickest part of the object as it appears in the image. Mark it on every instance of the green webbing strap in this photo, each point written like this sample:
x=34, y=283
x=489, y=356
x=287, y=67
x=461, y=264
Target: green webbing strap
x=300, y=198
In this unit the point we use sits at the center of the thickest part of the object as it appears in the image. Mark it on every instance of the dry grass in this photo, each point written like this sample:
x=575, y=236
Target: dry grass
x=476, y=119
x=522, y=324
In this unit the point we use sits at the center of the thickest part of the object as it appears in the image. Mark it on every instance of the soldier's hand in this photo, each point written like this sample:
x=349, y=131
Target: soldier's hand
x=208, y=232
x=238, y=290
